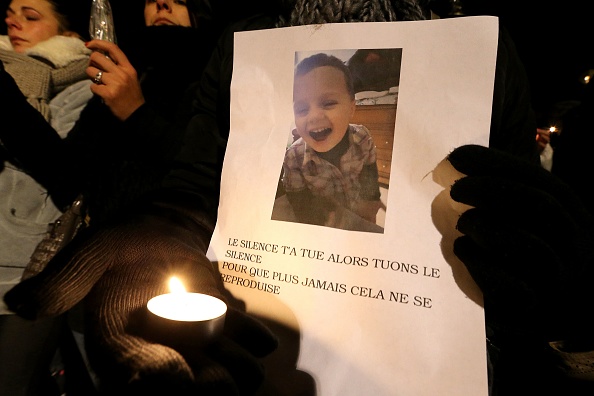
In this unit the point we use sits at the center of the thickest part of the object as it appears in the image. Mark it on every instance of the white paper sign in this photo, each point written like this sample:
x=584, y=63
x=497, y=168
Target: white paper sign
x=360, y=313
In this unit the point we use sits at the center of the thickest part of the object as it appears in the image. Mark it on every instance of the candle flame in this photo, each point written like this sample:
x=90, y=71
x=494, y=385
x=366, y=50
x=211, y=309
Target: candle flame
x=176, y=286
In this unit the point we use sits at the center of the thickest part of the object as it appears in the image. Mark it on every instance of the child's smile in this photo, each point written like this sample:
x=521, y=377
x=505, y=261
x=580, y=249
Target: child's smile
x=320, y=135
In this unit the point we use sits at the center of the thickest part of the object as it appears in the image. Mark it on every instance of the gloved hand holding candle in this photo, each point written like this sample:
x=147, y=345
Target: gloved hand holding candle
x=117, y=270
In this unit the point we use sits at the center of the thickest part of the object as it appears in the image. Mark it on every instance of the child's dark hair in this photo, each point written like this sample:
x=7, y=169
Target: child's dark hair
x=322, y=59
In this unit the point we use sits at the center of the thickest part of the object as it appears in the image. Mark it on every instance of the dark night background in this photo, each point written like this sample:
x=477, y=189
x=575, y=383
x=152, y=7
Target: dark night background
x=553, y=38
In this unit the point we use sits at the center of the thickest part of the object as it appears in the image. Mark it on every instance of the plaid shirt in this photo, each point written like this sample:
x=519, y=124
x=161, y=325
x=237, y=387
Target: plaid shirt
x=304, y=169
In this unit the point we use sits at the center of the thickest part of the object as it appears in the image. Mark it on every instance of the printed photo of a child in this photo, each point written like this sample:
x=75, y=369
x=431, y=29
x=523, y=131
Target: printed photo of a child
x=329, y=174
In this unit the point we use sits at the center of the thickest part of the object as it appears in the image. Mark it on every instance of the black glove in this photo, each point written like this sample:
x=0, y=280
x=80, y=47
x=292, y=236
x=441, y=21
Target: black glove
x=527, y=244
x=117, y=269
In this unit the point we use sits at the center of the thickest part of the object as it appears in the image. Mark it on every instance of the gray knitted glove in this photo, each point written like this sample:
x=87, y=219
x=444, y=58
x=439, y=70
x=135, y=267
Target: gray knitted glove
x=116, y=270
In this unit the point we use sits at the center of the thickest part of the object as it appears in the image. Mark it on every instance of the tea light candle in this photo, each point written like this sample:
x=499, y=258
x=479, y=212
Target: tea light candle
x=182, y=318
x=184, y=306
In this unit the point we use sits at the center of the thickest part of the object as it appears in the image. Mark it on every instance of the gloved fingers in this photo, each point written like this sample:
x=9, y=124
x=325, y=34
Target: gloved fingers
x=515, y=251
x=500, y=192
x=152, y=368
x=229, y=366
x=210, y=376
x=511, y=304
x=249, y=333
x=66, y=280
x=518, y=206
x=499, y=285
x=244, y=340
x=474, y=160
x=130, y=365
x=246, y=370
x=220, y=369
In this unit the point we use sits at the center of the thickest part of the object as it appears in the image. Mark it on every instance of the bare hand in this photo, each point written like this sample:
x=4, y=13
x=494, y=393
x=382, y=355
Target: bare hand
x=543, y=137
x=118, y=86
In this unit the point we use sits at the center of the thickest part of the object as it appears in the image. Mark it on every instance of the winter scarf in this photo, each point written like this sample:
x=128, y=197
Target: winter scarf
x=46, y=69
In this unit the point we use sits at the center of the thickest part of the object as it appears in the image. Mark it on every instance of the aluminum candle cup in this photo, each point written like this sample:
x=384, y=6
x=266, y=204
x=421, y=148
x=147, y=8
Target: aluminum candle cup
x=181, y=319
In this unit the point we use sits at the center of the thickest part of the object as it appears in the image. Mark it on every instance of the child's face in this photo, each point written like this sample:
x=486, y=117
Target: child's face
x=30, y=22
x=323, y=107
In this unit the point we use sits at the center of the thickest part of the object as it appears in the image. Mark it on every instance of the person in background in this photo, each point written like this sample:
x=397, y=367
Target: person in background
x=571, y=145
x=528, y=236
x=125, y=139
x=537, y=304
x=47, y=60
x=550, y=122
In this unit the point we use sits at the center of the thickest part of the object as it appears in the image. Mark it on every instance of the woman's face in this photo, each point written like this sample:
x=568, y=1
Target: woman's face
x=166, y=12
x=30, y=22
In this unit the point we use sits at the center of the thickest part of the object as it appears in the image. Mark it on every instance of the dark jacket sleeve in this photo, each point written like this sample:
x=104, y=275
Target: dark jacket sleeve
x=117, y=162
x=66, y=167
x=28, y=139
x=198, y=164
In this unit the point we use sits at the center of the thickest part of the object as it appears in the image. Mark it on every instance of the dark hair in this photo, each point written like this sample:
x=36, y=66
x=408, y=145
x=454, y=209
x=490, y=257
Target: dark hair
x=318, y=60
x=200, y=12
x=308, y=12
x=72, y=15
